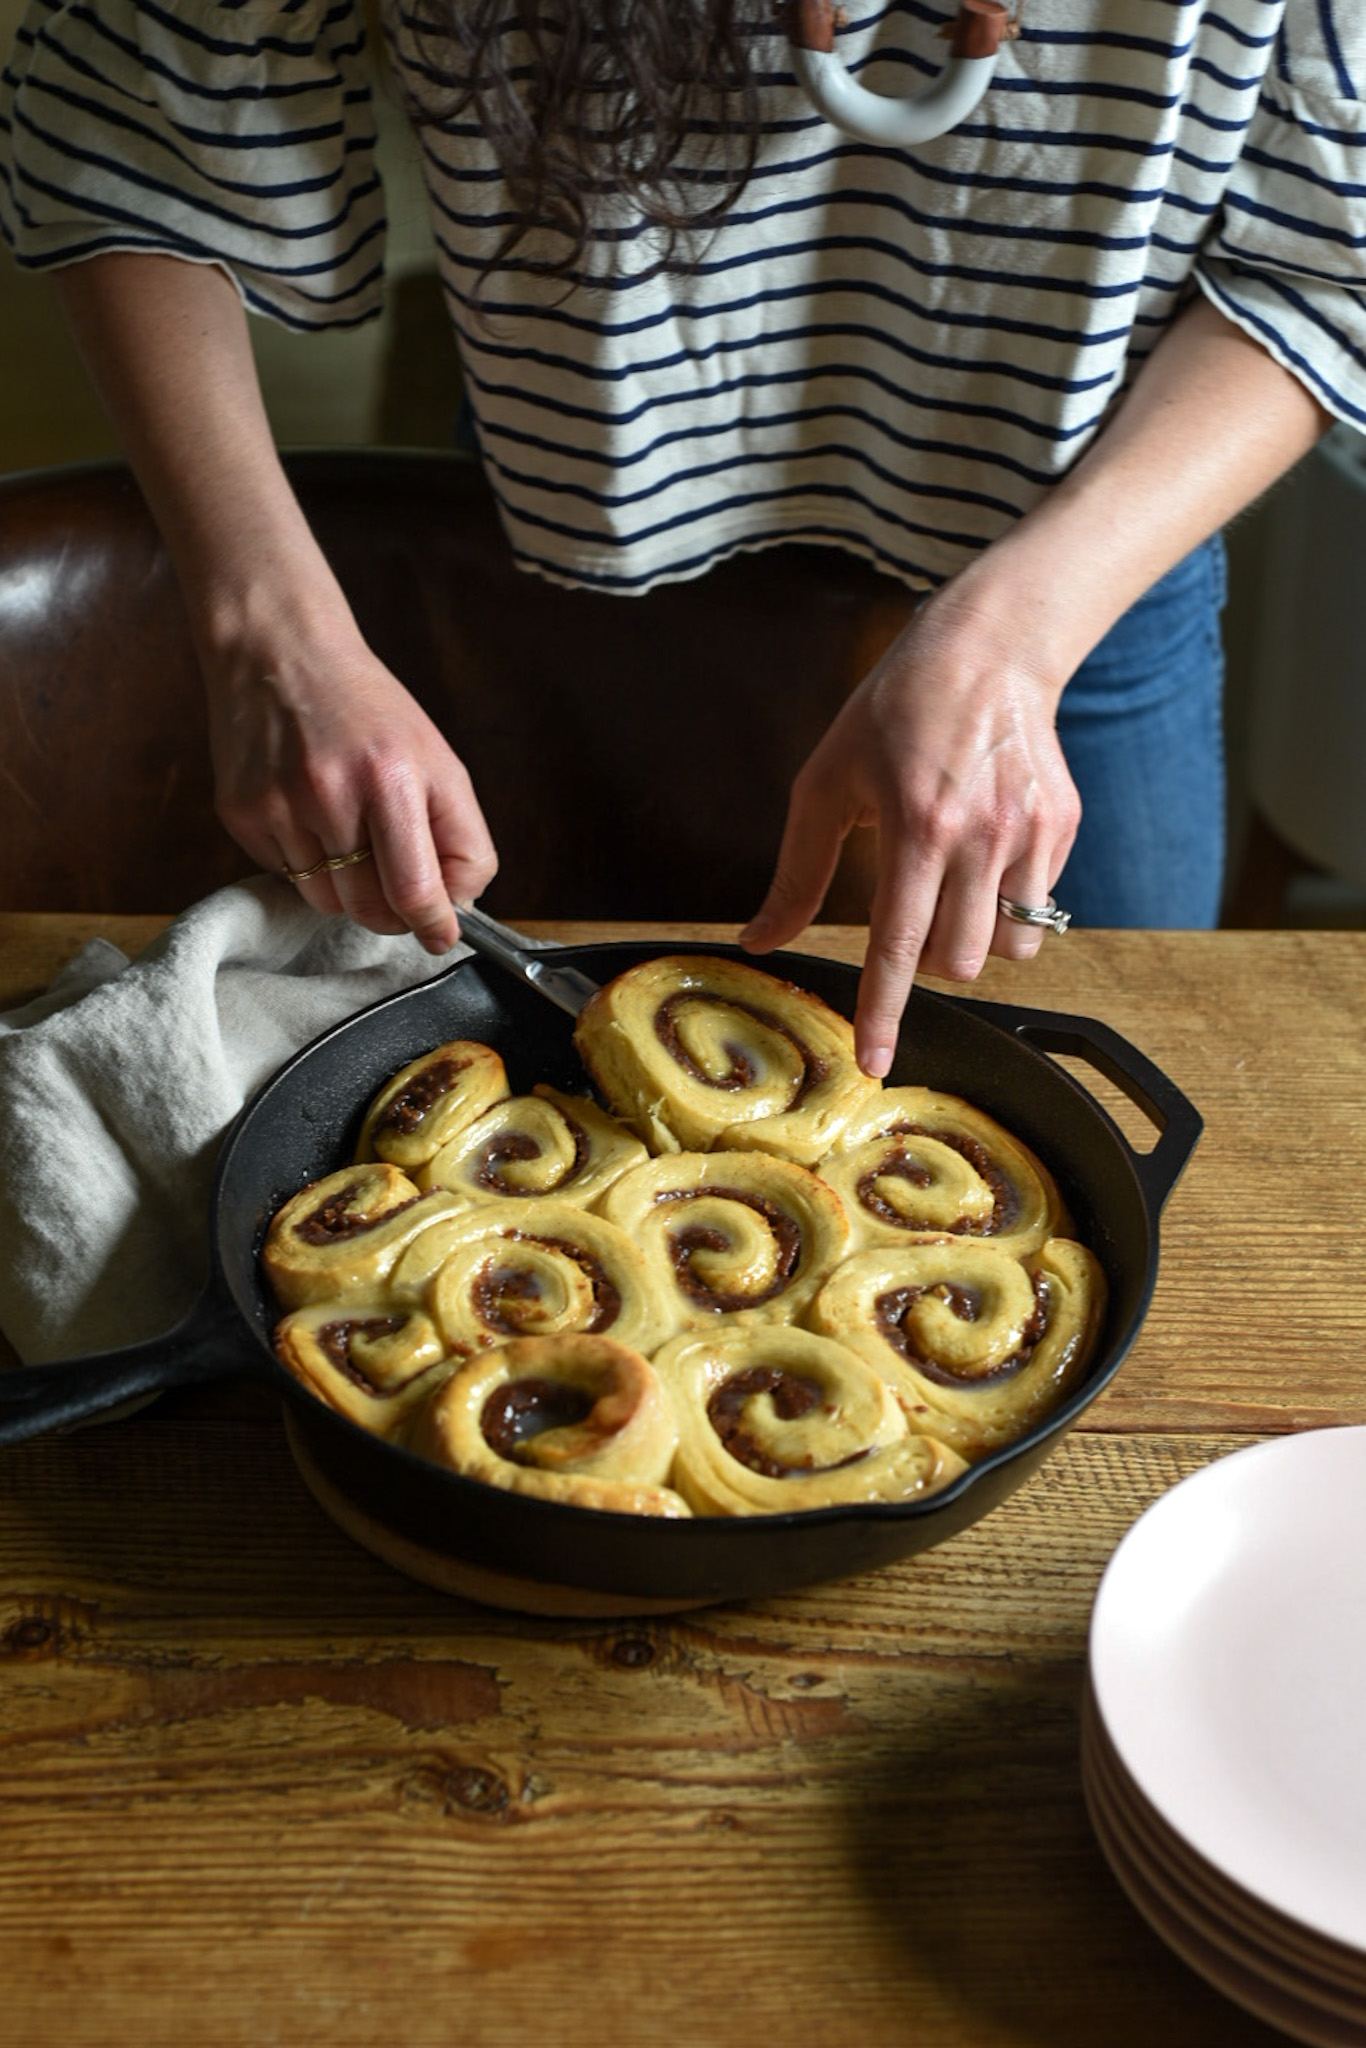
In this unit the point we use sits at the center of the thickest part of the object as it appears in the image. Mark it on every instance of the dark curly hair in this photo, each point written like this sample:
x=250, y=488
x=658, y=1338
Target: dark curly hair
x=650, y=101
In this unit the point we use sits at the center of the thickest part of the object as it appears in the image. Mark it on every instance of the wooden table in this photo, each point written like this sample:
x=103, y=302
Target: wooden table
x=259, y=1788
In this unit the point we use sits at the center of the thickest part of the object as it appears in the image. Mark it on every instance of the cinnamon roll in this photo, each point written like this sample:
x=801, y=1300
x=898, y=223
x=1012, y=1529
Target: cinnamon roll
x=342, y=1234
x=731, y=1233
x=695, y=1052
x=914, y=1162
x=537, y=1267
x=570, y=1417
x=977, y=1345
x=429, y=1100
x=772, y=1421
x=371, y=1361
x=545, y=1143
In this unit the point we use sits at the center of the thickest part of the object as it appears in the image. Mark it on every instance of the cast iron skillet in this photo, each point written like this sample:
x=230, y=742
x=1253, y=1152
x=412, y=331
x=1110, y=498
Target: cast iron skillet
x=541, y=1555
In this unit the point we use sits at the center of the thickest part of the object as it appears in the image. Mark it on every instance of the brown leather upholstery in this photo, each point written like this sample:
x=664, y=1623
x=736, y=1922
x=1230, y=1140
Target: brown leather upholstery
x=633, y=755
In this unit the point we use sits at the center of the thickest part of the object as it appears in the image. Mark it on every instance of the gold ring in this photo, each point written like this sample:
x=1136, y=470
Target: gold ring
x=337, y=860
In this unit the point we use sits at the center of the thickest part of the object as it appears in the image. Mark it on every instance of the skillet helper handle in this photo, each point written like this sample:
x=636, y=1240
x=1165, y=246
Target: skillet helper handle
x=207, y=1345
x=1177, y=1120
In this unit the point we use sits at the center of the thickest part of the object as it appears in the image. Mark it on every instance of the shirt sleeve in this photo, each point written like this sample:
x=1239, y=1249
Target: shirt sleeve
x=1288, y=259
x=241, y=135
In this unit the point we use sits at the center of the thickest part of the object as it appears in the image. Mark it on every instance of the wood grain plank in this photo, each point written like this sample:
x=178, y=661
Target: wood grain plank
x=238, y=1753
x=35, y=948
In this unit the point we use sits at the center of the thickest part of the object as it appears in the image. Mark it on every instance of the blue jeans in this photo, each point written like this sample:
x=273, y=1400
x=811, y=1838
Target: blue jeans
x=1141, y=726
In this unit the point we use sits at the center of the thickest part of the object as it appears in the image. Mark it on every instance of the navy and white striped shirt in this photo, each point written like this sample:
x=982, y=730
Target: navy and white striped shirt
x=895, y=352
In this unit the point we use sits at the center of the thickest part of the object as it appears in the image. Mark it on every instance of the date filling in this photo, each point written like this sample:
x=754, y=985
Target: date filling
x=792, y=1395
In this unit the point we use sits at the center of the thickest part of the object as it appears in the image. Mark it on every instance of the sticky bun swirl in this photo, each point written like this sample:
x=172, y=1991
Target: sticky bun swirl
x=977, y=1345
x=538, y=1267
x=371, y=1361
x=342, y=1234
x=570, y=1417
x=424, y=1105
x=772, y=1420
x=914, y=1162
x=695, y=1052
x=731, y=1233
x=545, y=1143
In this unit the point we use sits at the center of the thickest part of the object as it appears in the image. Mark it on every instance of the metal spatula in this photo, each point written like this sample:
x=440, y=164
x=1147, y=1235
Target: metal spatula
x=531, y=960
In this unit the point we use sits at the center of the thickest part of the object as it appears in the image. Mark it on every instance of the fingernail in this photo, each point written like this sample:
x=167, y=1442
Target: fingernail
x=878, y=1063
x=755, y=933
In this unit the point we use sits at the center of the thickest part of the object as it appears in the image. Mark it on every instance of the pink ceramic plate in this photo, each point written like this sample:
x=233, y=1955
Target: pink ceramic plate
x=1260, y=1942
x=1228, y=1661
x=1296, y=2015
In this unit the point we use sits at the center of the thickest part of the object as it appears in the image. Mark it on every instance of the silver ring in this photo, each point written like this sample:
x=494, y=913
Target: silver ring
x=1046, y=914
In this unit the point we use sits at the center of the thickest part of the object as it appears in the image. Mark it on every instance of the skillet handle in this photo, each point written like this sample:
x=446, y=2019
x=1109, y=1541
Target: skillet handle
x=1179, y=1123
x=208, y=1344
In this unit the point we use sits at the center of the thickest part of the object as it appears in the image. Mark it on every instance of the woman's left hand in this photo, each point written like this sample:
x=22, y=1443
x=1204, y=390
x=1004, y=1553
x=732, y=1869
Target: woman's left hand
x=948, y=750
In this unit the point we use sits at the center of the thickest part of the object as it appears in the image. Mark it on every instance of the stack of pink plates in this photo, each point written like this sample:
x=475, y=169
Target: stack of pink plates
x=1224, y=1733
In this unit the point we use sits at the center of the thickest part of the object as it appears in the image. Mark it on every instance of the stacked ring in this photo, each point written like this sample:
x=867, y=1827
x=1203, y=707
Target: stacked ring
x=1047, y=915
x=327, y=865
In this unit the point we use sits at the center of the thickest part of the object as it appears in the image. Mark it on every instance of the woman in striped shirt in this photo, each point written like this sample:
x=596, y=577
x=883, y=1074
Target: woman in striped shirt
x=1029, y=367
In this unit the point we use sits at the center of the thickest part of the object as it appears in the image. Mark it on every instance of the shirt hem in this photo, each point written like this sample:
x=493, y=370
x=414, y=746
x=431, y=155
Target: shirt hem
x=634, y=572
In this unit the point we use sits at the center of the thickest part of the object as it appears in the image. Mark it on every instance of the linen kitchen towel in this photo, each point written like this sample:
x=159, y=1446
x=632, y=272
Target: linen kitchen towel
x=117, y=1085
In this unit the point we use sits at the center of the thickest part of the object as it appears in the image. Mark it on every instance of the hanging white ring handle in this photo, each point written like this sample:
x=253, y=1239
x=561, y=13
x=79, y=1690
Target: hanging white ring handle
x=975, y=37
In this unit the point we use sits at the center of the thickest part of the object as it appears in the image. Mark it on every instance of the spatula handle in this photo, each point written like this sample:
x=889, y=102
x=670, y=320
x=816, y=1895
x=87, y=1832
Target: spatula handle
x=531, y=960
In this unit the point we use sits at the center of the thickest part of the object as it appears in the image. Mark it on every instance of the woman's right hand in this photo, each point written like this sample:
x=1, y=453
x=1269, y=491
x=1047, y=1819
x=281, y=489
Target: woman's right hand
x=321, y=752
x=317, y=749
